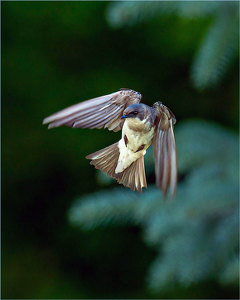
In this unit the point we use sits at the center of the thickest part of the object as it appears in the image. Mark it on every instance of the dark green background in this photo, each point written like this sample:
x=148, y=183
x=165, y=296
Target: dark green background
x=55, y=54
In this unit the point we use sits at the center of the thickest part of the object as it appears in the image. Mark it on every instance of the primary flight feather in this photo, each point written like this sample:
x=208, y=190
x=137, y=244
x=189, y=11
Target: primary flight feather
x=141, y=126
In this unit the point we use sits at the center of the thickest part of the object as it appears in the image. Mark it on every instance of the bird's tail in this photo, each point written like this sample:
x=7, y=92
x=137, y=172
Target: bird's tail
x=106, y=160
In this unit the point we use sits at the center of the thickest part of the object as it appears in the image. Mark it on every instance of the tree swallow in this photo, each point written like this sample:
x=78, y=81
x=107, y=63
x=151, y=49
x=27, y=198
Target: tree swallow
x=141, y=126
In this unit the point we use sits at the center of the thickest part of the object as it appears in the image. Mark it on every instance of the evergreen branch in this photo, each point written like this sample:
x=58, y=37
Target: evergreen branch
x=133, y=12
x=217, y=51
x=127, y=13
x=103, y=208
x=201, y=142
x=196, y=233
x=219, y=47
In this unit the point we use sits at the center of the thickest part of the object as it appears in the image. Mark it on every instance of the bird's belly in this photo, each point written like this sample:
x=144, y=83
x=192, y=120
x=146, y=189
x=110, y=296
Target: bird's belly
x=132, y=146
x=134, y=141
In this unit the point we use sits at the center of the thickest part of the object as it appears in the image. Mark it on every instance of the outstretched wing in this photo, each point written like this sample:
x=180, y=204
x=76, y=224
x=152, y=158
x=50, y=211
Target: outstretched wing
x=101, y=112
x=165, y=152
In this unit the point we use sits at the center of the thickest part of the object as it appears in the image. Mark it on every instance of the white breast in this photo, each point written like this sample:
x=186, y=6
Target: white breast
x=129, y=153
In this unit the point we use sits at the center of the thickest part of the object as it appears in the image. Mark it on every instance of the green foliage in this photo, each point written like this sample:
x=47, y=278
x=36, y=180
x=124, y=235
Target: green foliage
x=196, y=234
x=217, y=51
x=219, y=46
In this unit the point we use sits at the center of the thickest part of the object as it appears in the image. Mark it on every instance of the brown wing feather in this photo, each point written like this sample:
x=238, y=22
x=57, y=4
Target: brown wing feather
x=101, y=112
x=165, y=152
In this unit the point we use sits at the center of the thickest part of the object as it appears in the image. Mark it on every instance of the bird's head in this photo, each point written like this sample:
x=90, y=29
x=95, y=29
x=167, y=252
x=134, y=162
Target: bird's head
x=134, y=111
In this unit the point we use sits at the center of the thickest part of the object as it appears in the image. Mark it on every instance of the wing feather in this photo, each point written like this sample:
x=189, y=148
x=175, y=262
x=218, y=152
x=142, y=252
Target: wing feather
x=101, y=112
x=97, y=121
x=165, y=152
x=173, y=160
x=95, y=116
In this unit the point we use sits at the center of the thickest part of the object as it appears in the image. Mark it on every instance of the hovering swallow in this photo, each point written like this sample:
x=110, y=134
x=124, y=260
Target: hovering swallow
x=141, y=126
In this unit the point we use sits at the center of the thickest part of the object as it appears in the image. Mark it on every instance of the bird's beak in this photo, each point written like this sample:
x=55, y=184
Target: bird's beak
x=124, y=117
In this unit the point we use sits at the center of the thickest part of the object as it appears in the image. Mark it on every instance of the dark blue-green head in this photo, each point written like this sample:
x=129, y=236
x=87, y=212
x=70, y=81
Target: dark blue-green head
x=138, y=110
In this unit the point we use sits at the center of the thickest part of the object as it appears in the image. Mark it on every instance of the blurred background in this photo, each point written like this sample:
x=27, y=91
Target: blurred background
x=69, y=231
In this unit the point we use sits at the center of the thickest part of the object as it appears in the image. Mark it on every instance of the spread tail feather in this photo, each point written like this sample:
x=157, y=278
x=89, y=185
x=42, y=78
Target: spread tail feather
x=134, y=176
x=106, y=160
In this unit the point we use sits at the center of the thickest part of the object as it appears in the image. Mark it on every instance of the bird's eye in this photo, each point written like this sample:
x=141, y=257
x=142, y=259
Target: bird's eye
x=134, y=112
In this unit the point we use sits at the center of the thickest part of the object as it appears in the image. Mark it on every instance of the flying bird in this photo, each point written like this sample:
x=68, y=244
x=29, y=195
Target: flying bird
x=141, y=126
